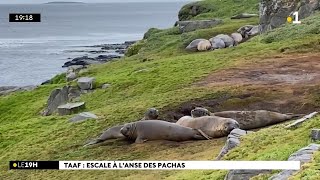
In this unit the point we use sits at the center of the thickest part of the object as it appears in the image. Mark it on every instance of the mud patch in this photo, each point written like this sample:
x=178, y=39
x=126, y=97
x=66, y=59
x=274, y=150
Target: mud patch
x=295, y=71
x=280, y=84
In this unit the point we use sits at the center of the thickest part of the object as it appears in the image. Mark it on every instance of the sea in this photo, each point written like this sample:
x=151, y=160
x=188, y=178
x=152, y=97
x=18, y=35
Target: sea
x=31, y=53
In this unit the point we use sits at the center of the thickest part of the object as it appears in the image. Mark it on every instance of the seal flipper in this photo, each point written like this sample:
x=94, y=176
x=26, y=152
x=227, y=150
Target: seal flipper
x=203, y=134
x=93, y=142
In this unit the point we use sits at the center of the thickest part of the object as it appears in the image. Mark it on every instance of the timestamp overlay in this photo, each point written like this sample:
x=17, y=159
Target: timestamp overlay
x=24, y=17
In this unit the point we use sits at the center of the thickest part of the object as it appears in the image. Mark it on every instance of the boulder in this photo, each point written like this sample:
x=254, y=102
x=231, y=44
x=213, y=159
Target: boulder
x=193, y=46
x=244, y=15
x=74, y=94
x=237, y=37
x=82, y=117
x=70, y=108
x=71, y=76
x=217, y=43
x=304, y=155
x=226, y=39
x=244, y=174
x=86, y=83
x=274, y=13
x=315, y=134
x=204, y=45
x=233, y=140
x=188, y=26
x=56, y=98
x=75, y=68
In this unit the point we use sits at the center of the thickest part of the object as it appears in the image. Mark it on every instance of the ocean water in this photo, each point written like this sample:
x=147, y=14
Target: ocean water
x=31, y=53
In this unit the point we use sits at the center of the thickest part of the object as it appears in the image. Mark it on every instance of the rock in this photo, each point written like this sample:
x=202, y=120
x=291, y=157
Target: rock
x=85, y=60
x=71, y=76
x=6, y=90
x=237, y=37
x=274, y=13
x=188, y=26
x=105, y=86
x=193, y=46
x=233, y=140
x=74, y=94
x=217, y=43
x=86, y=83
x=82, y=117
x=56, y=98
x=204, y=45
x=315, y=134
x=121, y=51
x=75, y=68
x=226, y=39
x=191, y=10
x=244, y=15
x=304, y=155
x=70, y=108
x=244, y=174
x=46, y=82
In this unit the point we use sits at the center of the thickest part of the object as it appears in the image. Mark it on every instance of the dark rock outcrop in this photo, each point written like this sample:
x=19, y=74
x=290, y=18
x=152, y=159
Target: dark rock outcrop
x=191, y=10
x=85, y=60
x=274, y=13
x=244, y=15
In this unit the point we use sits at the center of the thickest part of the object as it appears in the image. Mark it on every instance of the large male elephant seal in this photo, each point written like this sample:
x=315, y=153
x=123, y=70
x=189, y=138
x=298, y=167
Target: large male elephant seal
x=149, y=130
x=114, y=132
x=213, y=126
x=255, y=119
x=248, y=119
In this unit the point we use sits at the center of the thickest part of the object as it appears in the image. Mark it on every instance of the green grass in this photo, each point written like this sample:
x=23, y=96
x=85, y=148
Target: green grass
x=166, y=81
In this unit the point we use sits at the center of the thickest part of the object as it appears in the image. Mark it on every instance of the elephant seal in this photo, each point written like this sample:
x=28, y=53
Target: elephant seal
x=217, y=43
x=204, y=45
x=229, y=42
x=199, y=112
x=114, y=132
x=213, y=126
x=193, y=46
x=255, y=119
x=149, y=130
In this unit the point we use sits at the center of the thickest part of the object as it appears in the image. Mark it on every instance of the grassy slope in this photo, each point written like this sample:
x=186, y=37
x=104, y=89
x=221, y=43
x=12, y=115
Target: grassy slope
x=26, y=135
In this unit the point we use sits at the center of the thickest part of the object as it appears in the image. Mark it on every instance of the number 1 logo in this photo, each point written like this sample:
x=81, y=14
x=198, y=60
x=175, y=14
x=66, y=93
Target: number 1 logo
x=296, y=18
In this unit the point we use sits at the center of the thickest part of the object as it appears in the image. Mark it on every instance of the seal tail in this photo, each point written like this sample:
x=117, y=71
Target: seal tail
x=204, y=134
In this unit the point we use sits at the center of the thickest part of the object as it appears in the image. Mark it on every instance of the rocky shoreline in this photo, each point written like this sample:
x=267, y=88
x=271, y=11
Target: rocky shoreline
x=112, y=52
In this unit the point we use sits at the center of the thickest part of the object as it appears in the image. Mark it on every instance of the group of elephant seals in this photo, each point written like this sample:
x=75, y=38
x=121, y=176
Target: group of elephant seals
x=249, y=119
x=150, y=130
x=114, y=132
x=213, y=126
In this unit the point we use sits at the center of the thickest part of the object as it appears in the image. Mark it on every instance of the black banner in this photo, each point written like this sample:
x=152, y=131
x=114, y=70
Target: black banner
x=25, y=165
x=23, y=17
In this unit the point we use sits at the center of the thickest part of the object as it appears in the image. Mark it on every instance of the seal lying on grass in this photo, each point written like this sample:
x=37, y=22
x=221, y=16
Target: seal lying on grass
x=213, y=126
x=248, y=119
x=114, y=132
x=149, y=130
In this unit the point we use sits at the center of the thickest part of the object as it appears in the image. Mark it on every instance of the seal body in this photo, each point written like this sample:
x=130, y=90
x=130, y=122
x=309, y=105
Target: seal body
x=204, y=45
x=114, y=132
x=255, y=119
x=213, y=126
x=193, y=46
x=149, y=130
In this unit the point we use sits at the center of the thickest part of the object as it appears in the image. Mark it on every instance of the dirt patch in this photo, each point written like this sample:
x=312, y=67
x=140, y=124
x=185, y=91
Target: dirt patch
x=281, y=84
x=294, y=71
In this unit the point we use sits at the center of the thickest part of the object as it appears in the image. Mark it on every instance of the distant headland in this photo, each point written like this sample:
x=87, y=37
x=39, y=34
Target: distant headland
x=64, y=2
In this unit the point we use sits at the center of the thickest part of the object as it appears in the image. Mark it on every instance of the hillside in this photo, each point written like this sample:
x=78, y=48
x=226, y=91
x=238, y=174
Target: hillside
x=225, y=79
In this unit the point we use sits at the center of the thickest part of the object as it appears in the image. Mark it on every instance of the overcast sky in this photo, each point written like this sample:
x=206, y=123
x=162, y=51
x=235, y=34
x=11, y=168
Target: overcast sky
x=87, y=1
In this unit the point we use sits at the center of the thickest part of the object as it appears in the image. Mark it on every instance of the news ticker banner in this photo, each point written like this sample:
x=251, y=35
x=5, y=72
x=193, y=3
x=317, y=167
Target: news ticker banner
x=154, y=165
